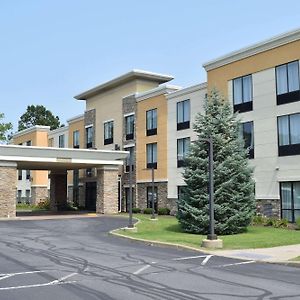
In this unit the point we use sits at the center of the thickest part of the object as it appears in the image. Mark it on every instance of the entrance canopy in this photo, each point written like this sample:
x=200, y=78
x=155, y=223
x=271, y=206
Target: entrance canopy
x=44, y=158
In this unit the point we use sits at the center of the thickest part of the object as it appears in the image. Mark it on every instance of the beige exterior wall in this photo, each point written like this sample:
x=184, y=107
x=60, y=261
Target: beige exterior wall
x=160, y=103
x=219, y=77
x=108, y=107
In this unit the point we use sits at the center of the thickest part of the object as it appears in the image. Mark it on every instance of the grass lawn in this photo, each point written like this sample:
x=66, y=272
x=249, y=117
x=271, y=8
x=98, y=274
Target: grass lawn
x=295, y=259
x=167, y=229
x=24, y=206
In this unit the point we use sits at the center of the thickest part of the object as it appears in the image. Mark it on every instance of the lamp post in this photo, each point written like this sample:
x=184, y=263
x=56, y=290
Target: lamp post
x=130, y=223
x=211, y=235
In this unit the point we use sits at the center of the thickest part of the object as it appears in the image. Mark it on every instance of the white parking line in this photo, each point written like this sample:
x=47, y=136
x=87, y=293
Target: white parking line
x=239, y=263
x=141, y=269
x=21, y=273
x=189, y=257
x=64, y=278
x=206, y=259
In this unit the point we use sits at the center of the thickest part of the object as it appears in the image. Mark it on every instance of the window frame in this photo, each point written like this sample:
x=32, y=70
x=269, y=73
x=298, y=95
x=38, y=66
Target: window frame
x=288, y=97
x=89, y=142
x=181, y=162
x=151, y=130
x=152, y=164
x=250, y=149
x=290, y=149
x=184, y=124
x=243, y=106
x=61, y=141
x=108, y=140
x=77, y=145
x=129, y=135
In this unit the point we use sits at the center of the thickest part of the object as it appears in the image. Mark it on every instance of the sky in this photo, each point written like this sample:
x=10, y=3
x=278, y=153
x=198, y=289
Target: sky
x=52, y=50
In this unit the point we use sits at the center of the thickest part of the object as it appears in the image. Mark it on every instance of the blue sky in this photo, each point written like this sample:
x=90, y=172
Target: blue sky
x=53, y=49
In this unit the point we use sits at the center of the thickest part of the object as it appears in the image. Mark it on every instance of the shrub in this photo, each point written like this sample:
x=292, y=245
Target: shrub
x=44, y=204
x=147, y=211
x=136, y=210
x=281, y=223
x=298, y=223
x=259, y=220
x=163, y=211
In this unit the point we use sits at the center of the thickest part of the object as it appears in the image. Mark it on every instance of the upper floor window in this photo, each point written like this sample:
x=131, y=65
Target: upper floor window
x=151, y=120
x=183, y=114
x=130, y=158
x=61, y=141
x=242, y=93
x=76, y=139
x=183, y=146
x=129, y=127
x=151, y=156
x=108, y=132
x=287, y=83
x=246, y=133
x=89, y=133
x=289, y=134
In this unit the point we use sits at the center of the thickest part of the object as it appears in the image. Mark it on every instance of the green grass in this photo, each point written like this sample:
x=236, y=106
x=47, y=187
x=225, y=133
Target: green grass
x=295, y=259
x=167, y=229
x=24, y=206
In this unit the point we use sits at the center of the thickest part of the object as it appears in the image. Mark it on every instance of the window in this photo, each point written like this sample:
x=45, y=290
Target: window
x=20, y=174
x=151, y=117
x=290, y=200
x=149, y=197
x=287, y=83
x=183, y=146
x=289, y=135
x=61, y=141
x=129, y=127
x=246, y=133
x=183, y=114
x=28, y=174
x=19, y=196
x=129, y=158
x=242, y=93
x=89, y=133
x=28, y=143
x=108, y=132
x=152, y=156
x=27, y=195
x=89, y=172
x=76, y=139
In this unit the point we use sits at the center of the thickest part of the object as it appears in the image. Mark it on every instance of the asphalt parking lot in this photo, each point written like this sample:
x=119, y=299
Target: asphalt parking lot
x=77, y=259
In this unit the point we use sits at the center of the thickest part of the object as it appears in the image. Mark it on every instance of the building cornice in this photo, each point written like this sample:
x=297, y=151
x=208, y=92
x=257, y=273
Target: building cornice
x=161, y=90
x=32, y=129
x=75, y=119
x=58, y=130
x=125, y=78
x=254, y=49
x=188, y=90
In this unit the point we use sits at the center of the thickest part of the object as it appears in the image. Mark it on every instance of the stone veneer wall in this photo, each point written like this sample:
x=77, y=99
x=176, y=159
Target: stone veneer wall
x=8, y=183
x=107, y=190
x=162, y=191
x=38, y=193
x=269, y=208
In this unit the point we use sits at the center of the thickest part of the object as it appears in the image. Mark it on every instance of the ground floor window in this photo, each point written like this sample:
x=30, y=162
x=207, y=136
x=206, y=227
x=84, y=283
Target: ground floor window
x=149, y=197
x=290, y=200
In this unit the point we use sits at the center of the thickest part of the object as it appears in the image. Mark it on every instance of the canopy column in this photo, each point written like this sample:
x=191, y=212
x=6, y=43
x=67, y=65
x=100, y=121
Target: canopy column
x=58, y=190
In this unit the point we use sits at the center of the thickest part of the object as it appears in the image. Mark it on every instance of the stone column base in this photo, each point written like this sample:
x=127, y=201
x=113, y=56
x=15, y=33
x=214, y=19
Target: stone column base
x=58, y=190
x=212, y=244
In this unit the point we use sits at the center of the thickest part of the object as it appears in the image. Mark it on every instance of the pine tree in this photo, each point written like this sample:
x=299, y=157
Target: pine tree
x=233, y=183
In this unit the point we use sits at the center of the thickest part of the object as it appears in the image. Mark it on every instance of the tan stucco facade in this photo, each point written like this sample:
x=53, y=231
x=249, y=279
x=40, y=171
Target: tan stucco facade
x=220, y=76
x=160, y=103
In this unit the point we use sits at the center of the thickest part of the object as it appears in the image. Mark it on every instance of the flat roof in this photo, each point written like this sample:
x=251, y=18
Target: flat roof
x=251, y=50
x=132, y=75
x=50, y=158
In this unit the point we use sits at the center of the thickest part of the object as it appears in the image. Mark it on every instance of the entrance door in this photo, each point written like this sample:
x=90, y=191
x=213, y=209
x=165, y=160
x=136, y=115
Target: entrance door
x=90, y=195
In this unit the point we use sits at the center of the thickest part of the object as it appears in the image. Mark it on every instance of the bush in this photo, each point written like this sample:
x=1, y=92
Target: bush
x=298, y=223
x=136, y=210
x=259, y=220
x=282, y=223
x=44, y=204
x=273, y=221
x=147, y=211
x=163, y=211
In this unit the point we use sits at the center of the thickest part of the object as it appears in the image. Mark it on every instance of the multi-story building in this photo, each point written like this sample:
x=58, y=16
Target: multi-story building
x=151, y=146
x=183, y=106
x=58, y=138
x=262, y=83
x=32, y=186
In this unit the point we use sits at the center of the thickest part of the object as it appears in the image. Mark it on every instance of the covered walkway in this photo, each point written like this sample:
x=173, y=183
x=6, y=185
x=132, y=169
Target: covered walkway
x=58, y=161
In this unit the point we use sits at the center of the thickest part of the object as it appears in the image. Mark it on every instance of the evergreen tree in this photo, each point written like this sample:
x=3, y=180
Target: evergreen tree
x=233, y=183
x=4, y=128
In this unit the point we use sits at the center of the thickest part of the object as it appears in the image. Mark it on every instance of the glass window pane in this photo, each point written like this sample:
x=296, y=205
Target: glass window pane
x=247, y=88
x=179, y=112
x=283, y=130
x=149, y=153
x=286, y=195
x=237, y=91
x=293, y=76
x=287, y=214
x=154, y=118
x=179, y=149
x=187, y=143
x=186, y=110
x=248, y=134
x=295, y=128
x=297, y=214
x=296, y=194
x=281, y=80
x=154, y=154
x=149, y=119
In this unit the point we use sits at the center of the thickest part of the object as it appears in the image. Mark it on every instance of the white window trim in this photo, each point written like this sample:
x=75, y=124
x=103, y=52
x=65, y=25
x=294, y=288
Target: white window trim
x=88, y=126
x=106, y=121
x=129, y=114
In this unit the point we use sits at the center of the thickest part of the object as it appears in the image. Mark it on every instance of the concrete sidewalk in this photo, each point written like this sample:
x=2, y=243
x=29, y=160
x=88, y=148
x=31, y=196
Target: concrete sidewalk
x=281, y=254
